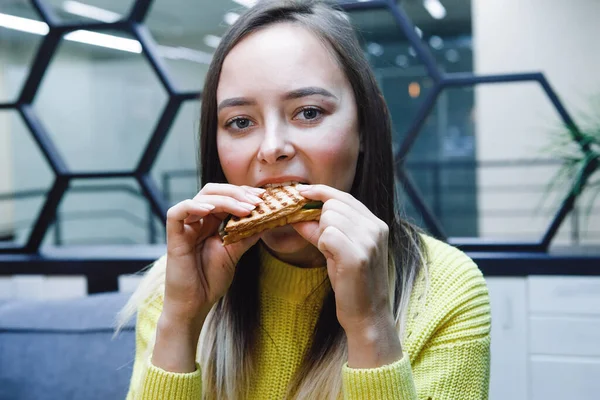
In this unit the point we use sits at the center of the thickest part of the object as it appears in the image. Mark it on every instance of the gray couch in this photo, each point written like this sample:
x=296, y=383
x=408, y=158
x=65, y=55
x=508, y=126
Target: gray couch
x=63, y=349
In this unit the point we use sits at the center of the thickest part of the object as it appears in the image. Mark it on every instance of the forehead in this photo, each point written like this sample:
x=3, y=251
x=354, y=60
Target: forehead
x=280, y=57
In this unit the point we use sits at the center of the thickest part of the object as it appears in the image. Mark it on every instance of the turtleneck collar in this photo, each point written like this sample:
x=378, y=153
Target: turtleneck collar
x=291, y=282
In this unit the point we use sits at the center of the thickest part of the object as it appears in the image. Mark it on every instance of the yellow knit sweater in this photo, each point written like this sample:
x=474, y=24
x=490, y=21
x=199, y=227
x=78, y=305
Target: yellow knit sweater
x=446, y=343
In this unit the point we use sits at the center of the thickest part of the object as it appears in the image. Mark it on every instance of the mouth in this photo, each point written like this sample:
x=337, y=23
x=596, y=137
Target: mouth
x=271, y=183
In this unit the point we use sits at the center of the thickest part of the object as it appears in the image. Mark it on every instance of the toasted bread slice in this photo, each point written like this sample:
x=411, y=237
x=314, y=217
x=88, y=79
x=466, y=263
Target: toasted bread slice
x=281, y=205
x=299, y=216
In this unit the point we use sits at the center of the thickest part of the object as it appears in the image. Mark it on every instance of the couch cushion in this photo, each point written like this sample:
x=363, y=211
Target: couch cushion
x=63, y=349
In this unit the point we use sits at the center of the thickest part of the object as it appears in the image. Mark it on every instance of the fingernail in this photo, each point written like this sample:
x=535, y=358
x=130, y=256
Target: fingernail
x=247, y=206
x=257, y=190
x=301, y=187
x=253, y=198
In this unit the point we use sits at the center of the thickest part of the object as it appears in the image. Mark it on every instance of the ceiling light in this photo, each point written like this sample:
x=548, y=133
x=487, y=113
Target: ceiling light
x=212, y=41
x=375, y=49
x=402, y=61
x=435, y=8
x=436, y=42
x=104, y=40
x=230, y=18
x=452, y=56
x=246, y=3
x=23, y=24
x=87, y=11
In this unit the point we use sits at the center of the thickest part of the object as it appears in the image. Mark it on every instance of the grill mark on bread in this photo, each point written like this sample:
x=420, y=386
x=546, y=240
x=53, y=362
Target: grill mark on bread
x=277, y=202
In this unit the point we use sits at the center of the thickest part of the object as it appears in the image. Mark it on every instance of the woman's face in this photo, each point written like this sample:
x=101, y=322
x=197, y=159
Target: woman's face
x=286, y=112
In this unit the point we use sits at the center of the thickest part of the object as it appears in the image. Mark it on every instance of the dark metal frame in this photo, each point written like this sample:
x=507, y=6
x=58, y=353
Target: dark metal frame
x=133, y=24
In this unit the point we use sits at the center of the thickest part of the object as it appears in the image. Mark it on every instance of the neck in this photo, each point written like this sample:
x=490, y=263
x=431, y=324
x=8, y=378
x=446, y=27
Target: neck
x=309, y=257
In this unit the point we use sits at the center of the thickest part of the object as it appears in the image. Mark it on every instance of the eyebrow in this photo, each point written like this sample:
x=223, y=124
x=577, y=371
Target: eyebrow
x=294, y=94
x=308, y=91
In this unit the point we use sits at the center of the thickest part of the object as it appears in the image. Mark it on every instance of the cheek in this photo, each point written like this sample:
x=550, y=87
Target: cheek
x=337, y=156
x=234, y=160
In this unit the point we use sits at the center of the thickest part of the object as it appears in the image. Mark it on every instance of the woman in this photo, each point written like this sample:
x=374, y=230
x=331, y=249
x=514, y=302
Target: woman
x=359, y=304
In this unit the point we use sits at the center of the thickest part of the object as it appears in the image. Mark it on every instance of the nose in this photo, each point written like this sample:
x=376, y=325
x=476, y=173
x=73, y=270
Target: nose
x=275, y=146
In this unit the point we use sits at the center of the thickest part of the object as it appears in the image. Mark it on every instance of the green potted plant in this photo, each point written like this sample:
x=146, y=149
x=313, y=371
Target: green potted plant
x=579, y=151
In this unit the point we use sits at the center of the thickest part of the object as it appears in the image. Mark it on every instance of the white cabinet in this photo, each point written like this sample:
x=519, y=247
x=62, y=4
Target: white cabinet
x=545, y=338
x=508, y=375
x=564, y=337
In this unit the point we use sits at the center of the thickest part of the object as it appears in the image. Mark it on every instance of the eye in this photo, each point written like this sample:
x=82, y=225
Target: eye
x=309, y=114
x=239, y=123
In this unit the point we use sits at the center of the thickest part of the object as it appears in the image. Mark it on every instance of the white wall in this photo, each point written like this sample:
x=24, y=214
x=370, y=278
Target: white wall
x=555, y=37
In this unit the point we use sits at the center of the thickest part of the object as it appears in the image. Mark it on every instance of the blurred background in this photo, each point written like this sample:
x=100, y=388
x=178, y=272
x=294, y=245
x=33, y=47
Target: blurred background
x=482, y=161
x=492, y=162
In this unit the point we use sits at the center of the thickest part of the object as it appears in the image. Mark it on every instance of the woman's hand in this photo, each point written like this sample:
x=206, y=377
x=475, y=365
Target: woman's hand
x=355, y=243
x=199, y=268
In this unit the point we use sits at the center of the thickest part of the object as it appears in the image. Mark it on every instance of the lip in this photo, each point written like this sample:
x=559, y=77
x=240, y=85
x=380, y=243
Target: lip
x=281, y=179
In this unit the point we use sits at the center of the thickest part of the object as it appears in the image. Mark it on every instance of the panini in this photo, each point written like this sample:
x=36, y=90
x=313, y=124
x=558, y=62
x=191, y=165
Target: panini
x=282, y=205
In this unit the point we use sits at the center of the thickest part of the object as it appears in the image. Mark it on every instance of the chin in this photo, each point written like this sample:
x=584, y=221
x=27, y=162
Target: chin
x=284, y=240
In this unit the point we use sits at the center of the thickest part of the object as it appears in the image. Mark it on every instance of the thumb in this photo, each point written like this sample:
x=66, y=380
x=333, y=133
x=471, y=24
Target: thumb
x=236, y=250
x=309, y=230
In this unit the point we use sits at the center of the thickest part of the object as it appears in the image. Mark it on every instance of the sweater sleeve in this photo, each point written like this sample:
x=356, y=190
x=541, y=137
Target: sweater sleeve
x=394, y=381
x=450, y=342
x=150, y=382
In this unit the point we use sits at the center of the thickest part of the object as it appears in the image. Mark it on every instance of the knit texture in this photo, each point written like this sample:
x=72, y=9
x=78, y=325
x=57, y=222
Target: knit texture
x=446, y=343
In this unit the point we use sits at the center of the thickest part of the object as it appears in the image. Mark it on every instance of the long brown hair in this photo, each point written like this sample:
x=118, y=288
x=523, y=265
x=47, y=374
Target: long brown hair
x=229, y=333
x=228, y=342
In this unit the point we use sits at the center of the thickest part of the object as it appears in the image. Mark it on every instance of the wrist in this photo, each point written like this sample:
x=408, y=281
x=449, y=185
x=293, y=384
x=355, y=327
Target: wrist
x=374, y=344
x=176, y=344
x=182, y=318
x=172, y=324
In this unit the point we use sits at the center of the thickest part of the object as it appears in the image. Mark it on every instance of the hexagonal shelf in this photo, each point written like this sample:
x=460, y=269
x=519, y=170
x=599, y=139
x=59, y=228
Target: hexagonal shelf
x=101, y=97
x=477, y=184
x=25, y=178
x=108, y=211
x=99, y=100
x=175, y=169
x=186, y=37
x=401, y=74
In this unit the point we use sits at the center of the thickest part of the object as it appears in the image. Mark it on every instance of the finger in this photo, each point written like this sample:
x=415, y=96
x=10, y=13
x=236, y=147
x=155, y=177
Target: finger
x=324, y=193
x=180, y=211
x=355, y=233
x=336, y=246
x=312, y=230
x=237, y=249
x=226, y=204
x=240, y=193
x=358, y=222
x=309, y=231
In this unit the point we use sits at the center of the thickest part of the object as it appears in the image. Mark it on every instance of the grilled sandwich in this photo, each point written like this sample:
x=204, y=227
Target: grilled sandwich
x=282, y=205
